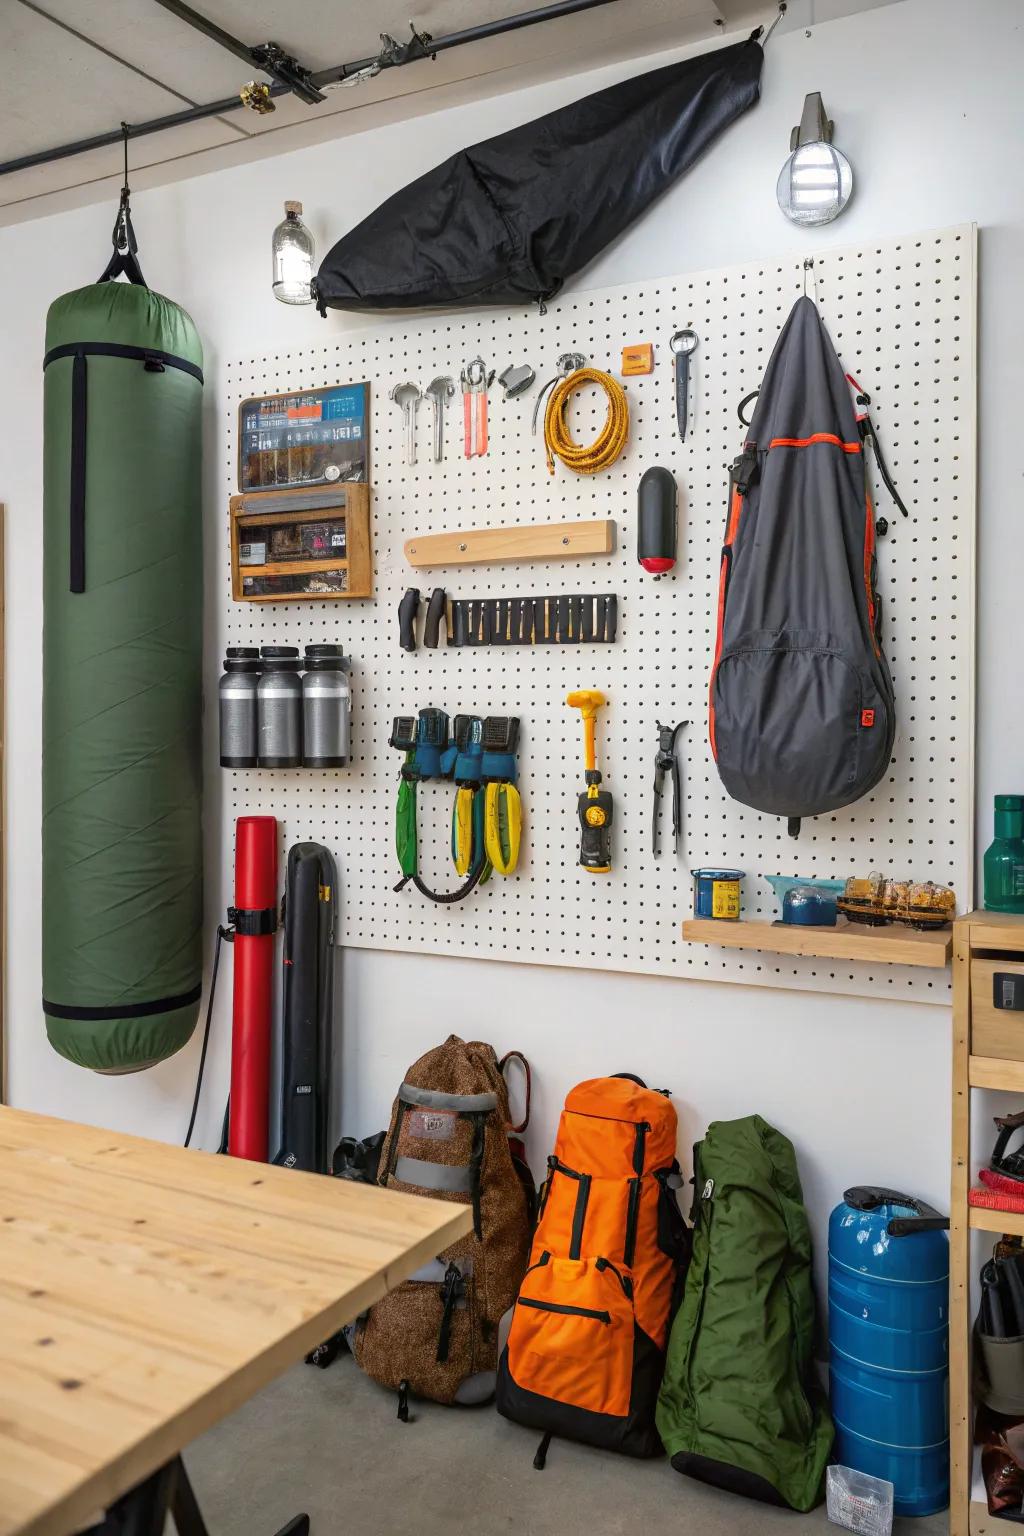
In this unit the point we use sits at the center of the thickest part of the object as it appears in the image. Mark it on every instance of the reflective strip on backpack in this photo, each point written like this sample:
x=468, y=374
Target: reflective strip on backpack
x=442, y=1176
x=464, y=1103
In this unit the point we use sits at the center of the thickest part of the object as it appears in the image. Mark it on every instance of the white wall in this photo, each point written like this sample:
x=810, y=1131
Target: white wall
x=929, y=110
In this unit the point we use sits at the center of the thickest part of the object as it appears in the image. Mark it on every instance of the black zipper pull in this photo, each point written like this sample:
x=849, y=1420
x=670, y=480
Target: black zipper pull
x=403, y=1401
x=627, y=1285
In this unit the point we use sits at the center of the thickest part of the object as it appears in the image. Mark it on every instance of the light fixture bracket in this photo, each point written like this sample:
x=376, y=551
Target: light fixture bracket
x=814, y=127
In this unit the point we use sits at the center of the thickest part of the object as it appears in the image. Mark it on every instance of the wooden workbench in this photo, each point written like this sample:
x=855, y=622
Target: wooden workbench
x=146, y=1292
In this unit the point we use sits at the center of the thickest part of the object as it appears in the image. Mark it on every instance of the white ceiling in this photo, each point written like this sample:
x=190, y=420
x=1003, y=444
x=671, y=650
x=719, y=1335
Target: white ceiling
x=76, y=68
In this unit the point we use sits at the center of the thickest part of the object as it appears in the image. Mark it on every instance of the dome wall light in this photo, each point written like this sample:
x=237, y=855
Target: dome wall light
x=816, y=182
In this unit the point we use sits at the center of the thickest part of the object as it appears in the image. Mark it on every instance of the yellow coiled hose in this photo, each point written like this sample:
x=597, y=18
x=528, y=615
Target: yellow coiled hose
x=609, y=442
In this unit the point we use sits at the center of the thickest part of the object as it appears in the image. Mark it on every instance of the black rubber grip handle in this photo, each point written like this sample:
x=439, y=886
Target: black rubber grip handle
x=435, y=613
x=460, y=624
x=868, y=1197
x=408, y=608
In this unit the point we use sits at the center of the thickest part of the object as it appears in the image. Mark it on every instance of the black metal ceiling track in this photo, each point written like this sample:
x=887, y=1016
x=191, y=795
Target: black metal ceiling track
x=288, y=76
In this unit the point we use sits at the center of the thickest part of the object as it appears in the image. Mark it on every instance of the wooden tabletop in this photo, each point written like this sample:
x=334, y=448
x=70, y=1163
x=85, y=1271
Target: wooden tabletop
x=146, y=1291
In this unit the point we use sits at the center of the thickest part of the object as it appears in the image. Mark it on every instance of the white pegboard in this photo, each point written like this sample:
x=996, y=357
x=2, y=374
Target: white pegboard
x=902, y=316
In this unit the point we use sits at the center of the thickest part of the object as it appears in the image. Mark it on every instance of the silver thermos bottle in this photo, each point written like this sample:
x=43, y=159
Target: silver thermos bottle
x=238, y=707
x=279, y=708
x=326, y=708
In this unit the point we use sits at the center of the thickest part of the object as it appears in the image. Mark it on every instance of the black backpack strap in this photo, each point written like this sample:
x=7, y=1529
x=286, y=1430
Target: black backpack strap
x=746, y=420
x=476, y=1158
x=869, y=438
x=451, y=1291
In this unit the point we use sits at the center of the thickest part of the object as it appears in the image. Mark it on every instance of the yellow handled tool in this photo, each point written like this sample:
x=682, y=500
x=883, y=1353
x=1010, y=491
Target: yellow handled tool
x=594, y=804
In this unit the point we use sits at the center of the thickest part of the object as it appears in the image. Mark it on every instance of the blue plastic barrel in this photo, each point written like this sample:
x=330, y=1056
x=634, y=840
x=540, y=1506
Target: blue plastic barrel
x=888, y=1297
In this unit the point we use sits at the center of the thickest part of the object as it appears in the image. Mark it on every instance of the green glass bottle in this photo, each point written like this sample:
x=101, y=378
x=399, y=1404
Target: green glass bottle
x=1004, y=858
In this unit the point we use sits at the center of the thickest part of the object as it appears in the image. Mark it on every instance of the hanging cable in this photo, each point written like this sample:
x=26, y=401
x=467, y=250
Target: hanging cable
x=772, y=25
x=222, y=934
x=586, y=459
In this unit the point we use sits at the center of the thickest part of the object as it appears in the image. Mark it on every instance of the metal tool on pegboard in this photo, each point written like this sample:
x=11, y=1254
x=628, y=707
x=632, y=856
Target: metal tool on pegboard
x=476, y=381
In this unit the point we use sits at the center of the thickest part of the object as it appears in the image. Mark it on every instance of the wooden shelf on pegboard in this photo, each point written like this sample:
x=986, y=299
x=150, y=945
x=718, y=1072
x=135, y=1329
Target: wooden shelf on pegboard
x=892, y=945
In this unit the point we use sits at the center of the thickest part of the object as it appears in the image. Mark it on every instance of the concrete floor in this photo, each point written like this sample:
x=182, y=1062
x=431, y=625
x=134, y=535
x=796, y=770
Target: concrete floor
x=327, y=1442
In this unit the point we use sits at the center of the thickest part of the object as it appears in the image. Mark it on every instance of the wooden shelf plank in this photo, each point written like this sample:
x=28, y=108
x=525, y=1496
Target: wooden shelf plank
x=294, y=567
x=324, y=512
x=996, y=1072
x=983, y=1220
x=515, y=541
x=995, y=930
x=846, y=941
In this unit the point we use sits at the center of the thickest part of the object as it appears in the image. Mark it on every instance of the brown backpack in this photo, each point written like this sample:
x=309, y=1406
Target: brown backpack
x=436, y=1335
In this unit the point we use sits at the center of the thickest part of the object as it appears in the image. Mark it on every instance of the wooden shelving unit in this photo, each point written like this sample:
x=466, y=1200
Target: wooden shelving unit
x=259, y=512
x=988, y=1052
x=893, y=945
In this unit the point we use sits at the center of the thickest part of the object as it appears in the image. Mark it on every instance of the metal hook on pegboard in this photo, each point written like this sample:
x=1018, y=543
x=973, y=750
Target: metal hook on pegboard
x=809, y=267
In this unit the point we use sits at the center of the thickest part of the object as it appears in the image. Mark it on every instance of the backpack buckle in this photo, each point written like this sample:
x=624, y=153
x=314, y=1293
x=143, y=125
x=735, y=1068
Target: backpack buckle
x=744, y=471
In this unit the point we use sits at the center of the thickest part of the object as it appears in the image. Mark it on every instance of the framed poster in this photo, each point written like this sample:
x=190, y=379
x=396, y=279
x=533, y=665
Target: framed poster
x=312, y=437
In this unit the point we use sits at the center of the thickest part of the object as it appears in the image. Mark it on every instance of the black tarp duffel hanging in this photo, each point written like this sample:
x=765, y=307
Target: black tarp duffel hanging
x=802, y=713
x=508, y=220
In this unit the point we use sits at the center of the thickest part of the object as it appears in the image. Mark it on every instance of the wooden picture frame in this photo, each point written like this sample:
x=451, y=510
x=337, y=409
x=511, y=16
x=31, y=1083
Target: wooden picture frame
x=320, y=446
x=347, y=504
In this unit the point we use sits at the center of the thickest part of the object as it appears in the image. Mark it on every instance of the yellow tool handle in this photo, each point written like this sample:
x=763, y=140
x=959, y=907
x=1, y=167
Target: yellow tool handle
x=590, y=741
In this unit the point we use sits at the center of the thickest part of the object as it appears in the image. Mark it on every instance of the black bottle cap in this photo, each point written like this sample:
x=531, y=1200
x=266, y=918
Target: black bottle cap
x=242, y=658
x=280, y=658
x=324, y=658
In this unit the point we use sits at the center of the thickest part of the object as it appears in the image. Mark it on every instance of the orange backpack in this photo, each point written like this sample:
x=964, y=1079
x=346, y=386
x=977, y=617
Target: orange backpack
x=586, y=1346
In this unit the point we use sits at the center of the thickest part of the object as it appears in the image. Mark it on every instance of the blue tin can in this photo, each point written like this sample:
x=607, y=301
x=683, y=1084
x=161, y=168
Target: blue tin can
x=888, y=1296
x=716, y=893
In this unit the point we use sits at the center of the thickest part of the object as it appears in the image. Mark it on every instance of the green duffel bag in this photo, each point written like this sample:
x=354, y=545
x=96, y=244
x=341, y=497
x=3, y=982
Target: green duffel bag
x=740, y=1406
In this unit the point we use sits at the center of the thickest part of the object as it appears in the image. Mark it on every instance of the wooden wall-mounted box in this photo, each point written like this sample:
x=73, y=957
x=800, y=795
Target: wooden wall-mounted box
x=310, y=545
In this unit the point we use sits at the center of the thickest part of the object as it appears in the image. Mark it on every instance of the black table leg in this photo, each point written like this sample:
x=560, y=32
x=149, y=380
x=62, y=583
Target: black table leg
x=144, y=1511
x=188, y=1517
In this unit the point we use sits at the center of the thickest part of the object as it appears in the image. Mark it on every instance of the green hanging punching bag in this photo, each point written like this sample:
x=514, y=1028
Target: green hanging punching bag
x=122, y=652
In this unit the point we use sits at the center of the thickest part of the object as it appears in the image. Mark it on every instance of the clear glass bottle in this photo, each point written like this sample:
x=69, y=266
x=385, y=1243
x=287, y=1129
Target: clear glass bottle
x=293, y=251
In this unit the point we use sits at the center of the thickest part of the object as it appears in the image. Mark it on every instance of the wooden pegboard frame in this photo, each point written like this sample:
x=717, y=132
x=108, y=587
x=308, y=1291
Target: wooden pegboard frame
x=902, y=316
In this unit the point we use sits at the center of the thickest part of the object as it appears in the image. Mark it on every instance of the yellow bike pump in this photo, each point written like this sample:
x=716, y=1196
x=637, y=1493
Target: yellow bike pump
x=594, y=804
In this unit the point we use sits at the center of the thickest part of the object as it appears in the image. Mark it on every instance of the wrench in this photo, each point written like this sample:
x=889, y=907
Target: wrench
x=438, y=392
x=407, y=397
